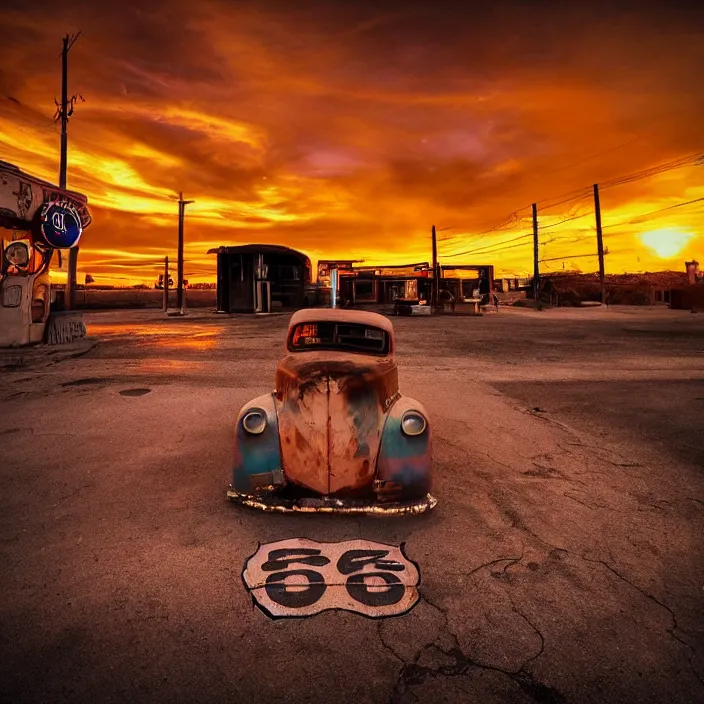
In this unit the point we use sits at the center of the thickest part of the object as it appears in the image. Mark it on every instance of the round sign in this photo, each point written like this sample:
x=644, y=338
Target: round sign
x=300, y=577
x=60, y=225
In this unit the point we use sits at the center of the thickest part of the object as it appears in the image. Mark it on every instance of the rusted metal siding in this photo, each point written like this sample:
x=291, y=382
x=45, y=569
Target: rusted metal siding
x=257, y=458
x=404, y=463
x=331, y=416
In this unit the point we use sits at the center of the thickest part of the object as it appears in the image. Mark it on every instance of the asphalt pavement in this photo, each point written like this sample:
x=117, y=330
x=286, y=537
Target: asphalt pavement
x=564, y=561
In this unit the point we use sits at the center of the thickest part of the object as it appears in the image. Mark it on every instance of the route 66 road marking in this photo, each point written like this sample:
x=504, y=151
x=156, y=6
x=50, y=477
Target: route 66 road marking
x=299, y=577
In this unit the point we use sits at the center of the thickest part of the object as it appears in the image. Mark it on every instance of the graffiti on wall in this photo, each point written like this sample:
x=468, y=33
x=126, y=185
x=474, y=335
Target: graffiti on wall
x=299, y=577
x=24, y=198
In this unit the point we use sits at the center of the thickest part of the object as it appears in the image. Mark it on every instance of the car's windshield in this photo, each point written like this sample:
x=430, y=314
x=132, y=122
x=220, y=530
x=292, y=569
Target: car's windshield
x=339, y=336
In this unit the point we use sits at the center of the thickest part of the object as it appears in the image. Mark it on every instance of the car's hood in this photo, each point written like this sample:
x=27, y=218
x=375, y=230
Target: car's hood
x=349, y=370
x=331, y=415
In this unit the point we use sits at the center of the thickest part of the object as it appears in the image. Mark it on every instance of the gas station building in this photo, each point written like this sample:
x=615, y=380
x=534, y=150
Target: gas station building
x=37, y=218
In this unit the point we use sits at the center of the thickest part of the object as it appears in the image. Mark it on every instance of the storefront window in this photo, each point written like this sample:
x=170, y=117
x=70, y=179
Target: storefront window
x=290, y=273
x=364, y=290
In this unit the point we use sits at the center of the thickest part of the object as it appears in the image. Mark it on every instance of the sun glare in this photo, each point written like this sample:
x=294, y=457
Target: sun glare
x=666, y=243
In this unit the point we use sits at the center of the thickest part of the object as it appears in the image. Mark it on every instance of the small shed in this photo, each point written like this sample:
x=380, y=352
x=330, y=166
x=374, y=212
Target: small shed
x=258, y=278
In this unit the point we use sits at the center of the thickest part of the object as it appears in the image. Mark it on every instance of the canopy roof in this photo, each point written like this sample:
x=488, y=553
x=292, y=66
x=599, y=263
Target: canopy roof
x=258, y=249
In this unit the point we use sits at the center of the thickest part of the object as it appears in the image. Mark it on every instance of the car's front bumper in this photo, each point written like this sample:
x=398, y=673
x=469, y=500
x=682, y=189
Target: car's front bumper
x=271, y=502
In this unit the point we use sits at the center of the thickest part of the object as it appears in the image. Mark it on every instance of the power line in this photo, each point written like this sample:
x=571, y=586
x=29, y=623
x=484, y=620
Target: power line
x=513, y=219
x=690, y=160
x=640, y=218
x=583, y=193
x=575, y=217
x=571, y=237
x=577, y=194
x=490, y=249
x=569, y=256
x=493, y=247
x=601, y=153
x=646, y=173
x=447, y=237
x=489, y=246
x=512, y=222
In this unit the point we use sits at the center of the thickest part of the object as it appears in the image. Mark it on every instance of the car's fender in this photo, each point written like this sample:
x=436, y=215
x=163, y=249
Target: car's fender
x=404, y=461
x=257, y=457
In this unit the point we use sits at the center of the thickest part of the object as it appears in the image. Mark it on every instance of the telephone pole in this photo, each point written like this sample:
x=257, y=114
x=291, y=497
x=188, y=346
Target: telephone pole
x=181, y=215
x=165, y=300
x=536, y=269
x=436, y=281
x=599, y=242
x=63, y=112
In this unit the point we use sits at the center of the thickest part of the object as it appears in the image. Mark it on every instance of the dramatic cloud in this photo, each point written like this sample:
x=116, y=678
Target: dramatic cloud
x=346, y=129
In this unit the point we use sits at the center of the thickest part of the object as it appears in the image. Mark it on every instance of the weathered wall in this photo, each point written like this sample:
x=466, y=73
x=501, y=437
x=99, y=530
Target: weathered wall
x=688, y=297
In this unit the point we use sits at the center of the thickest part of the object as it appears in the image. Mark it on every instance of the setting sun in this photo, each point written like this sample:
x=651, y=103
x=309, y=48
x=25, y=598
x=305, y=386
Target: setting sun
x=666, y=243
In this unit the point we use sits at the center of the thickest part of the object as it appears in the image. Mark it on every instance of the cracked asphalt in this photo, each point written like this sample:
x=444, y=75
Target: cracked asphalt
x=563, y=563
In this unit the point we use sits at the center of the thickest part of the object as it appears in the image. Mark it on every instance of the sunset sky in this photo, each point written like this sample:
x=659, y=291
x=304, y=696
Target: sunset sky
x=347, y=129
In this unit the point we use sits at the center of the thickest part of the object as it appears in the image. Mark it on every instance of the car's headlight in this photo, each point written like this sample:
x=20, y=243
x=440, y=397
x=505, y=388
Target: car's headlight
x=254, y=422
x=413, y=423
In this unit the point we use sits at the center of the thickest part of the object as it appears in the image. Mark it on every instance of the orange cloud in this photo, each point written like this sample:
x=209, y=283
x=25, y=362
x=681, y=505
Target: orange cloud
x=344, y=132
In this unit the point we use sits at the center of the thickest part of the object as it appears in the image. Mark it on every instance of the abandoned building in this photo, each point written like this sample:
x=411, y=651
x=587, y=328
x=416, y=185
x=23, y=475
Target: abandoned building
x=259, y=278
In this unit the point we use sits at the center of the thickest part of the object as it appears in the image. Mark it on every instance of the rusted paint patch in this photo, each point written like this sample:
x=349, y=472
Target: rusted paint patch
x=298, y=577
x=355, y=424
x=303, y=420
x=301, y=368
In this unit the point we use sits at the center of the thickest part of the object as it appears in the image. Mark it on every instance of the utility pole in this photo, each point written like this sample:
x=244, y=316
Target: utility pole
x=181, y=214
x=599, y=242
x=63, y=112
x=166, y=285
x=536, y=269
x=436, y=282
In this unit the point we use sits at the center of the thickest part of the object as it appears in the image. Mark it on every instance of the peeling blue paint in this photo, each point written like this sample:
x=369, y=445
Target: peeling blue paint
x=403, y=459
x=257, y=454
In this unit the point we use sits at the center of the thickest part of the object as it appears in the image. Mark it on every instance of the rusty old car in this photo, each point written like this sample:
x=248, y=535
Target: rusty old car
x=336, y=435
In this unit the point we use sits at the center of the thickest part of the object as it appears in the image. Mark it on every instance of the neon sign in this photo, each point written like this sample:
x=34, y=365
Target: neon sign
x=60, y=224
